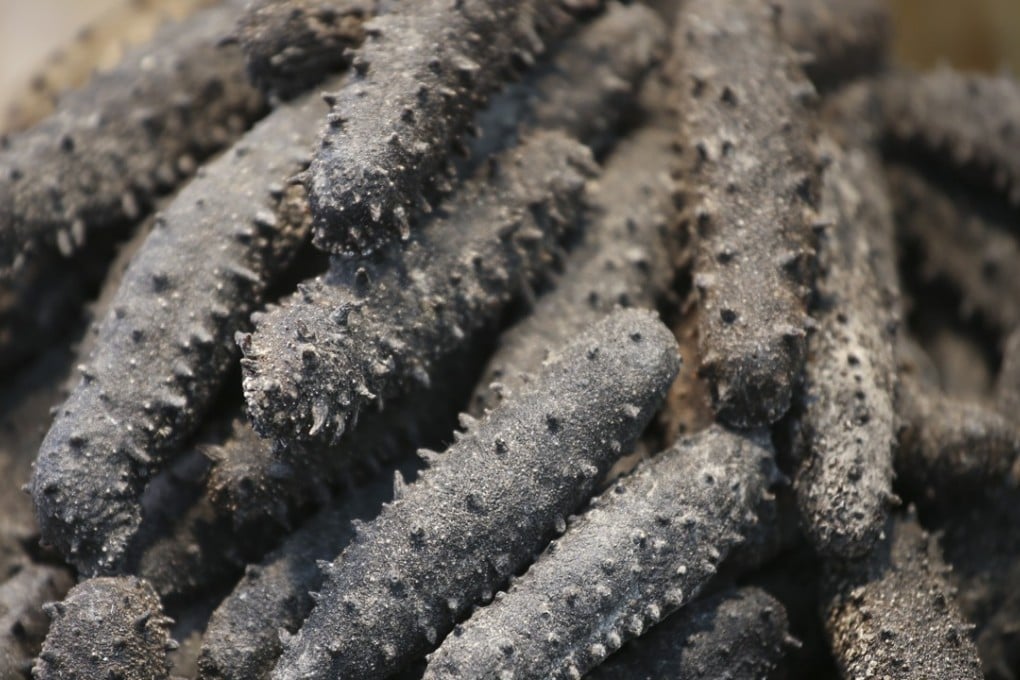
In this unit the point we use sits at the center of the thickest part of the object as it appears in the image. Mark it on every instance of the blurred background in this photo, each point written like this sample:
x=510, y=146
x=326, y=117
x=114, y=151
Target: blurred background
x=972, y=34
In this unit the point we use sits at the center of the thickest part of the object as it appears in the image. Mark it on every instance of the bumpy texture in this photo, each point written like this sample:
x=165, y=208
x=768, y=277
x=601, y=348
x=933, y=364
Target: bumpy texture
x=844, y=486
x=736, y=634
x=22, y=622
x=645, y=547
x=842, y=39
x=423, y=71
x=750, y=181
x=623, y=261
x=242, y=640
x=107, y=628
x=166, y=346
x=587, y=87
x=371, y=329
x=963, y=237
x=486, y=505
x=965, y=121
x=290, y=45
x=893, y=614
x=130, y=134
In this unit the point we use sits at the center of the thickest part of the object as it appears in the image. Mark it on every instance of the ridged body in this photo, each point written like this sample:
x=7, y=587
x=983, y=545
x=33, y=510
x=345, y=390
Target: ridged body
x=645, y=548
x=424, y=69
x=107, y=628
x=370, y=330
x=844, y=486
x=750, y=181
x=165, y=347
x=128, y=135
x=486, y=505
x=22, y=622
x=893, y=614
x=739, y=634
x=623, y=260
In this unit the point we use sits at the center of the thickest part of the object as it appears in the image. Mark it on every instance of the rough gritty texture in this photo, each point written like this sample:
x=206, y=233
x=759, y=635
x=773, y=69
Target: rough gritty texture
x=645, y=547
x=736, y=634
x=843, y=39
x=485, y=506
x=130, y=134
x=963, y=237
x=587, y=87
x=623, y=261
x=688, y=406
x=290, y=45
x=967, y=122
x=423, y=71
x=165, y=347
x=952, y=449
x=893, y=613
x=372, y=329
x=844, y=486
x=1007, y=384
x=750, y=181
x=107, y=628
x=242, y=640
x=22, y=622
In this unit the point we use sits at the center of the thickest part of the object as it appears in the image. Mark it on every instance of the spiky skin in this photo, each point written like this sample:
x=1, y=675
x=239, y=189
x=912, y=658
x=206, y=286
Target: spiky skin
x=424, y=69
x=165, y=347
x=963, y=237
x=132, y=133
x=372, y=329
x=290, y=45
x=844, y=486
x=645, y=547
x=893, y=614
x=749, y=179
x=108, y=627
x=485, y=506
x=242, y=640
x=842, y=40
x=22, y=622
x=623, y=261
x=588, y=86
x=965, y=122
x=952, y=449
x=735, y=634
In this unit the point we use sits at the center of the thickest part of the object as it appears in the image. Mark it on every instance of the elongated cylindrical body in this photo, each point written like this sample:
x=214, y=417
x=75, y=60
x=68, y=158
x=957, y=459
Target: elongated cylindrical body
x=371, y=329
x=424, y=69
x=165, y=347
x=23, y=624
x=645, y=548
x=750, y=182
x=485, y=506
x=130, y=134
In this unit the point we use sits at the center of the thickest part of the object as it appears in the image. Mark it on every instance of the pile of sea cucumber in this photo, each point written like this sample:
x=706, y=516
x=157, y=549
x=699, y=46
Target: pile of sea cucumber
x=510, y=339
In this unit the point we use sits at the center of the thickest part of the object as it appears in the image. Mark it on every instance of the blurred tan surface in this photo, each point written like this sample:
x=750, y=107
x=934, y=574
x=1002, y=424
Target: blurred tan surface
x=969, y=34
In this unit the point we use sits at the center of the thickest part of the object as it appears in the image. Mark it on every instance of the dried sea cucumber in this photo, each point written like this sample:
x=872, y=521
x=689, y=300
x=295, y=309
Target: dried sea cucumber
x=130, y=134
x=372, y=329
x=424, y=69
x=22, y=622
x=174, y=314
x=486, y=505
x=108, y=627
x=290, y=45
x=893, y=614
x=1007, y=383
x=624, y=260
x=97, y=47
x=844, y=487
x=587, y=87
x=737, y=634
x=967, y=121
x=842, y=40
x=645, y=548
x=961, y=236
x=750, y=181
x=242, y=641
